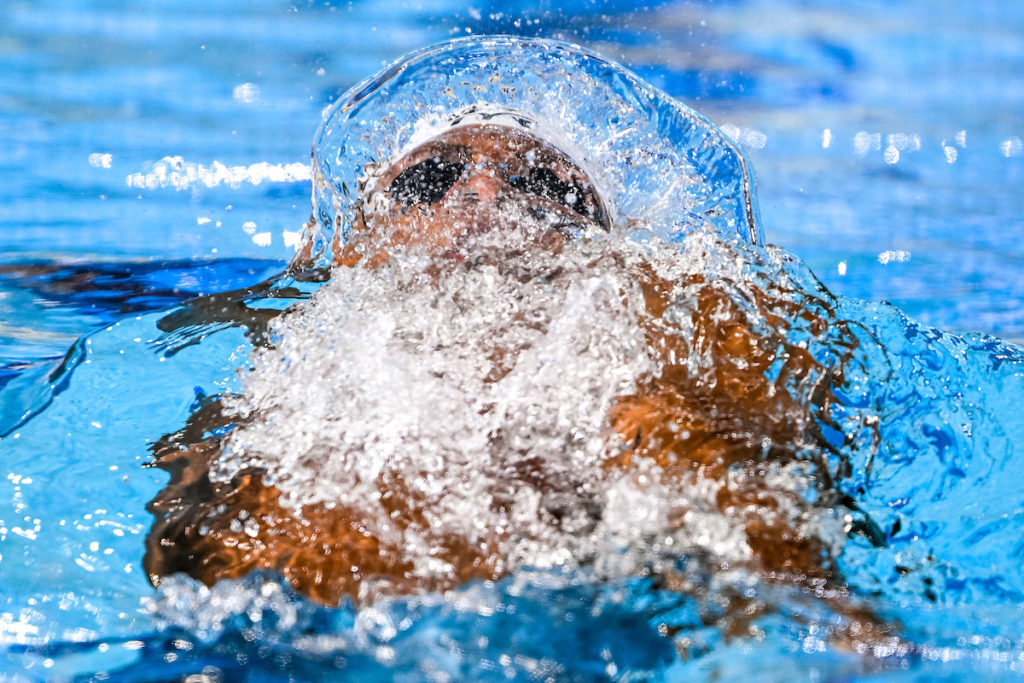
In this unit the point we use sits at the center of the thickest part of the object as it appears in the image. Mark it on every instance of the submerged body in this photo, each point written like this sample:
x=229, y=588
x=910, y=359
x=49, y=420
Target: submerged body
x=495, y=379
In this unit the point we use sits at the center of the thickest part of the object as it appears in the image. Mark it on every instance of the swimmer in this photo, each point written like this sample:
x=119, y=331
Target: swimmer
x=731, y=427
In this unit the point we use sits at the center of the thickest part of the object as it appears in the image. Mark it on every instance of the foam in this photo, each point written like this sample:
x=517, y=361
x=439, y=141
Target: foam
x=391, y=374
x=174, y=171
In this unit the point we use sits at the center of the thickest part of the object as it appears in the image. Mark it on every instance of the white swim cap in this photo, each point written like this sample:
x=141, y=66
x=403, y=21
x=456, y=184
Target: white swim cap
x=653, y=160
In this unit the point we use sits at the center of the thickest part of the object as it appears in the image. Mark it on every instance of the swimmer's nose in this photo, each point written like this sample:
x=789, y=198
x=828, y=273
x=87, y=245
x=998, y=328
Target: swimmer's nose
x=484, y=185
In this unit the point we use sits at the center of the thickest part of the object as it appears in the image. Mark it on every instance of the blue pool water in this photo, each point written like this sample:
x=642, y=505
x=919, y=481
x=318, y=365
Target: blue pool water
x=887, y=147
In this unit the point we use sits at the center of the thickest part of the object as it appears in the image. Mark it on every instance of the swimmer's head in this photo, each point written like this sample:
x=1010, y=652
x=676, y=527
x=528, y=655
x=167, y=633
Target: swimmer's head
x=471, y=180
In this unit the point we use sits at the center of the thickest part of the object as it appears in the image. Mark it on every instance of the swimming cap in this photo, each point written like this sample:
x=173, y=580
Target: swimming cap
x=655, y=162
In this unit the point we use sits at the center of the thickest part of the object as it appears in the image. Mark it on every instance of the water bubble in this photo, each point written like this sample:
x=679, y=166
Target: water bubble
x=893, y=256
x=97, y=160
x=246, y=92
x=863, y=142
x=1011, y=147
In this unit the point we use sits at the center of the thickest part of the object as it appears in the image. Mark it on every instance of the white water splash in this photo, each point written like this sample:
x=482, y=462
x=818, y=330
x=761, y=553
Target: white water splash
x=175, y=172
x=893, y=256
x=483, y=388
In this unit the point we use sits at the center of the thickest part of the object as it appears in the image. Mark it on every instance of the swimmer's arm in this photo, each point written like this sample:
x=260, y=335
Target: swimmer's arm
x=250, y=307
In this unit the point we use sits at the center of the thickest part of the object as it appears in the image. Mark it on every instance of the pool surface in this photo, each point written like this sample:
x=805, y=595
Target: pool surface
x=154, y=155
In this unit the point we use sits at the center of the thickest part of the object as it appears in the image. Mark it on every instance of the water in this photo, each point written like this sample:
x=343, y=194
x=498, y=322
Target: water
x=89, y=251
